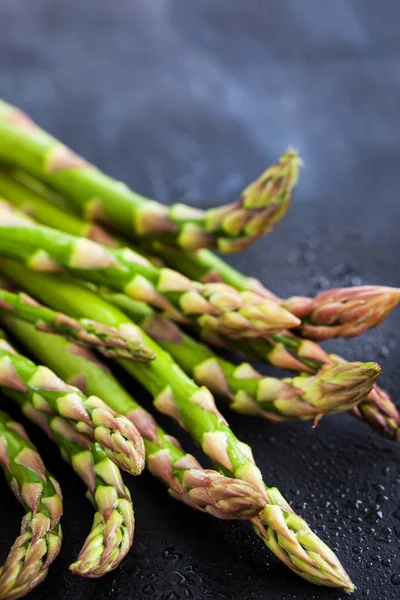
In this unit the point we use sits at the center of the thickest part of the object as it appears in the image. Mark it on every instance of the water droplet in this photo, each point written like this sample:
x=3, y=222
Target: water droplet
x=386, y=562
x=378, y=487
x=376, y=557
x=395, y=579
x=373, y=516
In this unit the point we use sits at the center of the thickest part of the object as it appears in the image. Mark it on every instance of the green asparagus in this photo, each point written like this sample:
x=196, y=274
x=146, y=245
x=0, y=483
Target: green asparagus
x=343, y=312
x=242, y=387
x=111, y=535
x=42, y=204
x=230, y=228
x=108, y=340
x=91, y=417
x=207, y=267
x=284, y=532
x=39, y=543
x=208, y=306
x=286, y=351
x=203, y=489
x=34, y=204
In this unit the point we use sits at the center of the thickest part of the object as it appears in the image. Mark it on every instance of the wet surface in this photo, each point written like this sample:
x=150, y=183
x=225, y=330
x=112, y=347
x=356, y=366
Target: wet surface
x=190, y=101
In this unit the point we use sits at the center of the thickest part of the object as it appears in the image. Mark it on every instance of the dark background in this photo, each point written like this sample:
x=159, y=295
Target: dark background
x=191, y=100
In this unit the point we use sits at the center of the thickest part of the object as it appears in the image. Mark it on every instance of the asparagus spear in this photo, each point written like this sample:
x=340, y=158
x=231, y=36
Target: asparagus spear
x=343, y=312
x=230, y=228
x=42, y=204
x=283, y=349
x=203, y=489
x=108, y=340
x=39, y=543
x=287, y=351
x=284, y=532
x=91, y=417
x=332, y=389
x=207, y=267
x=38, y=201
x=378, y=411
x=111, y=535
x=33, y=203
x=209, y=306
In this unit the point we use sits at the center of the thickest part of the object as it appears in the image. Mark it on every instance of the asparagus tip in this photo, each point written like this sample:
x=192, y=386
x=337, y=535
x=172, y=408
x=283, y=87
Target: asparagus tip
x=343, y=312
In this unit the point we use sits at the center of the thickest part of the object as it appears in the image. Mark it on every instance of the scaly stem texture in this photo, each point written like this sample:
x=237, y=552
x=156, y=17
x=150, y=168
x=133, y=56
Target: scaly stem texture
x=111, y=535
x=230, y=228
x=108, y=340
x=42, y=204
x=284, y=350
x=39, y=203
x=343, y=312
x=205, y=266
x=90, y=416
x=39, y=543
x=203, y=489
x=212, y=307
x=287, y=351
x=284, y=532
x=245, y=390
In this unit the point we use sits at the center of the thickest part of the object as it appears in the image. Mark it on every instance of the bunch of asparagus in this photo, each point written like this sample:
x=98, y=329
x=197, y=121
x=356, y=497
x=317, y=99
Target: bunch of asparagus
x=88, y=265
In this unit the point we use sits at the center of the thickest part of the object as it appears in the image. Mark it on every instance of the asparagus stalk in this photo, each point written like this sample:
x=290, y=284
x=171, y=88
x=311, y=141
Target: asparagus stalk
x=203, y=489
x=36, y=205
x=343, y=312
x=111, y=535
x=208, y=306
x=287, y=351
x=42, y=204
x=378, y=411
x=108, y=340
x=230, y=228
x=284, y=532
x=38, y=201
x=246, y=391
x=284, y=350
x=207, y=267
x=39, y=543
x=91, y=417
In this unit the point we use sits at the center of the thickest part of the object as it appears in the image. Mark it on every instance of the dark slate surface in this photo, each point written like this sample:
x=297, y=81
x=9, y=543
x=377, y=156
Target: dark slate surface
x=190, y=100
